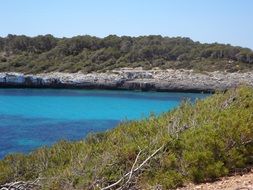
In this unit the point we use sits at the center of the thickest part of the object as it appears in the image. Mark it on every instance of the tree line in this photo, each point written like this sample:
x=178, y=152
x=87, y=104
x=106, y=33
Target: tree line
x=46, y=53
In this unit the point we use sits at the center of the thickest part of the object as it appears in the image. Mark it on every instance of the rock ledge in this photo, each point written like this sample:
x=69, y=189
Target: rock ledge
x=131, y=79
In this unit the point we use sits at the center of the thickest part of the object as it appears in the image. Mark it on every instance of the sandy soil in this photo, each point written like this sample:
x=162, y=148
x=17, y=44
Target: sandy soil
x=236, y=182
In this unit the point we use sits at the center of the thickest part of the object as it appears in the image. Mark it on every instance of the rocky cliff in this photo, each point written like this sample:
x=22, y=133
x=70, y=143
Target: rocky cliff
x=131, y=79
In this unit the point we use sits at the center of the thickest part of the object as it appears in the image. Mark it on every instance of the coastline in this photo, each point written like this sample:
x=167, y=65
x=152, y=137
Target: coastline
x=131, y=79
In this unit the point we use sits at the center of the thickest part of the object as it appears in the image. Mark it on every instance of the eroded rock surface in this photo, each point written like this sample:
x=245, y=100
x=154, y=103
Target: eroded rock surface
x=132, y=79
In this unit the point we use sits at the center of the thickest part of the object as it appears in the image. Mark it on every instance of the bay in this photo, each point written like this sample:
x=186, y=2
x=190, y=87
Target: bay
x=31, y=118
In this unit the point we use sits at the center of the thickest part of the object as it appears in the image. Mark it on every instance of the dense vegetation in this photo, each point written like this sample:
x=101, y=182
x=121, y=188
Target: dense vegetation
x=195, y=142
x=87, y=54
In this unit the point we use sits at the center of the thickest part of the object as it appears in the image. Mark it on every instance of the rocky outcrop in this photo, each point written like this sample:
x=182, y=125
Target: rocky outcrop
x=131, y=79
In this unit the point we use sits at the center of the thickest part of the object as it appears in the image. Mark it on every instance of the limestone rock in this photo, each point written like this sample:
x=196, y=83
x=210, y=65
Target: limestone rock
x=132, y=79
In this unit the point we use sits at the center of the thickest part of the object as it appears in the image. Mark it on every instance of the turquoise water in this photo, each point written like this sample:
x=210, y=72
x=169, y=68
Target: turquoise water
x=30, y=118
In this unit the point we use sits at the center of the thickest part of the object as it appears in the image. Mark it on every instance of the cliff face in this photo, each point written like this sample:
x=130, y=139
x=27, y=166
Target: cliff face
x=131, y=79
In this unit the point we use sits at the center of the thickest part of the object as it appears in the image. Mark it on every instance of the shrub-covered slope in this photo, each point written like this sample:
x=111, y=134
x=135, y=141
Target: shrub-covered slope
x=195, y=142
x=86, y=53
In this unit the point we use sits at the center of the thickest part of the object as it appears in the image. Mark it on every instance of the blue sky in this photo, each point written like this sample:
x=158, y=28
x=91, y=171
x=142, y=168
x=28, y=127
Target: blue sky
x=224, y=21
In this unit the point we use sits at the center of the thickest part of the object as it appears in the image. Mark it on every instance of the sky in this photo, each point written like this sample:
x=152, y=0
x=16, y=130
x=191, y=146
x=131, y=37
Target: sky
x=207, y=21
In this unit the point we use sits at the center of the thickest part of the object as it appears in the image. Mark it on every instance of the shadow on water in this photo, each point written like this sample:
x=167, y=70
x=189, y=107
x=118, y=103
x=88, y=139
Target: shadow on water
x=20, y=134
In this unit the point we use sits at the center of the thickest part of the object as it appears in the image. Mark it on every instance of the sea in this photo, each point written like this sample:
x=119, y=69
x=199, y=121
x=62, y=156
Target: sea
x=31, y=118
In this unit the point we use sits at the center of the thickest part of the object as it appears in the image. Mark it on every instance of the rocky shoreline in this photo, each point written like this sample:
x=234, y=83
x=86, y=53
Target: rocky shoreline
x=131, y=79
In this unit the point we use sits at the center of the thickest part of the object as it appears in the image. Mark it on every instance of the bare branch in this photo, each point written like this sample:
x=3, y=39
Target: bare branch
x=133, y=170
x=21, y=185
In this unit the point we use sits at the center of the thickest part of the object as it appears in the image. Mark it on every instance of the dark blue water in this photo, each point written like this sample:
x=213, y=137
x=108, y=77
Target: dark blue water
x=30, y=118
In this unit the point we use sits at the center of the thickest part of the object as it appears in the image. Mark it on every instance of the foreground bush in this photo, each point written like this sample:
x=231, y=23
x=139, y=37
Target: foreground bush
x=195, y=142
